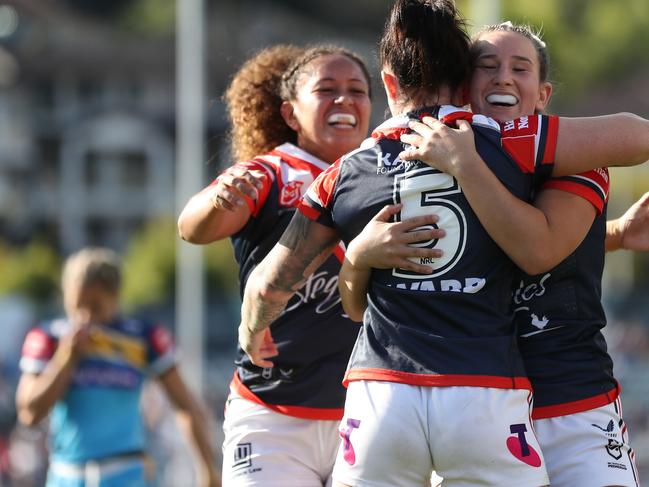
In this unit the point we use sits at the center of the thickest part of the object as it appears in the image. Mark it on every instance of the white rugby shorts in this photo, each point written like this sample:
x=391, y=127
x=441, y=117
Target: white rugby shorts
x=588, y=448
x=396, y=435
x=266, y=448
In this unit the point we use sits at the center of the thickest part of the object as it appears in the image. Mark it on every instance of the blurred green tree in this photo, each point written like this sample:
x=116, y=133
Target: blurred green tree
x=150, y=266
x=32, y=271
x=591, y=42
x=153, y=17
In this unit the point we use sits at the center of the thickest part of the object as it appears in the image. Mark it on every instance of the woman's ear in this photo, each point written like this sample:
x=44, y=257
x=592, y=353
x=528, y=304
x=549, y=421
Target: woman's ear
x=545, y=92
x=288, y=114
x=390, y=84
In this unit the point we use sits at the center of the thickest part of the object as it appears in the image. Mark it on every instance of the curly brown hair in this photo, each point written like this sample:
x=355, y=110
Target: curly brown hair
x=253, y=103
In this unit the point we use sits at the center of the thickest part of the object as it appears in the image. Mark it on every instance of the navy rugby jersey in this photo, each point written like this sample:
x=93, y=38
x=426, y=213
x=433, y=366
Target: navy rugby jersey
x=99, y=415
x=559, y=317
x=454, y=326
x=313, y=336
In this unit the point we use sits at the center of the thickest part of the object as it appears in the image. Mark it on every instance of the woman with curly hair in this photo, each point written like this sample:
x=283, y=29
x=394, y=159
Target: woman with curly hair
x=293, y=112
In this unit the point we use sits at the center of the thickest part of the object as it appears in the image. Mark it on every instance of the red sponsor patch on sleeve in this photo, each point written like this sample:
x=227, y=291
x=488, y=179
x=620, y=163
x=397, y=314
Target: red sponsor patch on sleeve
x=521, y=149
x=519, y=139
x=38, y=345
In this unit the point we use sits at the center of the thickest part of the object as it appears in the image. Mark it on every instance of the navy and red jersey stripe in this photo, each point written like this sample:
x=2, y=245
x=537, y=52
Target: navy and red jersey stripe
x=455, y=326
x=559, y=317
x=313, y=336
x=591, y=185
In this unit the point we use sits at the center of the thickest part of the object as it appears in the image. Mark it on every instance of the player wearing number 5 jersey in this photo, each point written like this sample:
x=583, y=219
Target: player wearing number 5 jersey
x=467, y=336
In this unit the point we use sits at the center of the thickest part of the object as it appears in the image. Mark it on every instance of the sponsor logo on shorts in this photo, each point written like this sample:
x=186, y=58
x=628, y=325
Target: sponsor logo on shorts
x=242, y=461
x=614, y=449
x=242, y=456
x=520, y=448
x=613, y=446
x=345, y=433
x=609, y=427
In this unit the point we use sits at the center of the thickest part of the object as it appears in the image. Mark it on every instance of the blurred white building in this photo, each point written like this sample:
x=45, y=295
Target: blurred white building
x=86, y=148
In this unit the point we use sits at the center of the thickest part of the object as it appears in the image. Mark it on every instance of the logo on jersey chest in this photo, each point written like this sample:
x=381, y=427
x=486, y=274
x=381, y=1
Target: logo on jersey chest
x=291, y=193
x=539, y=323
x=386, y=164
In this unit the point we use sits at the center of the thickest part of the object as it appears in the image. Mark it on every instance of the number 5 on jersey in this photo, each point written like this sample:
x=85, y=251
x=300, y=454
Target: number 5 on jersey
x=423, y=192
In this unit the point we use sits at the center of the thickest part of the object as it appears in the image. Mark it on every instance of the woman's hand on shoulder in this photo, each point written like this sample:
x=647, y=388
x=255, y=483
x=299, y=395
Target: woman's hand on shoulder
x=443, y=147
x=233, y=185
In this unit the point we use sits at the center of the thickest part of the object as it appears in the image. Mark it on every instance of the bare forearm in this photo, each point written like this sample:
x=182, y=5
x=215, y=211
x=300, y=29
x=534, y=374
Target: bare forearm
x=195, y=429
x=613, y=236
x=263, y=301
x=517, y=227
x=201, y=222
x=353, y=292
x=37, y=394
x=585, y=144
x=352, y=285
x=304, y=246
x=193, y=424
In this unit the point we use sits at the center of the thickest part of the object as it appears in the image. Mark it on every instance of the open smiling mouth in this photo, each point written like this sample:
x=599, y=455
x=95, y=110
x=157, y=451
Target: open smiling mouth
x=342, y=120
x=502, y=100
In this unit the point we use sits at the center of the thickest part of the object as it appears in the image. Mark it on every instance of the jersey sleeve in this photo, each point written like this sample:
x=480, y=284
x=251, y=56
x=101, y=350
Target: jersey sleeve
x=265, y=175
x=531, y=142
x=161, y=352
x=38, y=349
x=317, y=202
x=591, y=185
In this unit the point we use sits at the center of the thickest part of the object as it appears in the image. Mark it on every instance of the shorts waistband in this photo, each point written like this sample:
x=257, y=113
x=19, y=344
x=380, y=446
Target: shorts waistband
x=97, y=467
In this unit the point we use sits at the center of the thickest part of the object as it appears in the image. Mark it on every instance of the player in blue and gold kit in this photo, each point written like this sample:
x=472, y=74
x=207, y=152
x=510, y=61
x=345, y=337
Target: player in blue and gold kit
x=88, y=369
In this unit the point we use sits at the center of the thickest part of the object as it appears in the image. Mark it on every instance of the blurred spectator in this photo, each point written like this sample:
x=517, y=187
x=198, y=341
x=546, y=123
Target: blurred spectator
x=88, y=369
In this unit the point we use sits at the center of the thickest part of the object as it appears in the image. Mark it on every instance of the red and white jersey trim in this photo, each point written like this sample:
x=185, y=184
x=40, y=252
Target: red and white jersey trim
x=593, y=186
x=531, y=140
x=291, y=167
x=322, y=193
